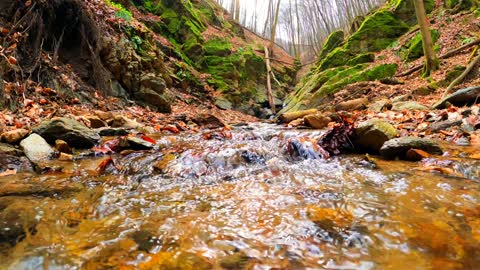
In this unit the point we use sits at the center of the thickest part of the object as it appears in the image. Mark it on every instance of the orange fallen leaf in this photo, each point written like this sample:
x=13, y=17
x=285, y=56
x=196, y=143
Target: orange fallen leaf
x=12, y=60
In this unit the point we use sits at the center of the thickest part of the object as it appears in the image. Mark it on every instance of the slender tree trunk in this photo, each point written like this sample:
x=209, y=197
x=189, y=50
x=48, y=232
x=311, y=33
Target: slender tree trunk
x=269, y=82
x=431, y=60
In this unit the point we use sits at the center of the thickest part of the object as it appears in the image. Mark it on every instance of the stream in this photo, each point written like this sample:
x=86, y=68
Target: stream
x=239, y=200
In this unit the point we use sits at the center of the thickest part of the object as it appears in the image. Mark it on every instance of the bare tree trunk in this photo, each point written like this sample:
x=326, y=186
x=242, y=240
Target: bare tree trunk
x=269, y=82
x=431, y=60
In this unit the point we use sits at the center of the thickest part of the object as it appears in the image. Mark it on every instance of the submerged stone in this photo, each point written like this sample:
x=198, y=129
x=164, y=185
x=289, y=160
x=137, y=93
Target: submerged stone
x=398, y=148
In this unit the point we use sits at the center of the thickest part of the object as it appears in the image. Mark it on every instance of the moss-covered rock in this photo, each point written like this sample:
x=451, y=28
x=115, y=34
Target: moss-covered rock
x=414, y=48
x=218, y=47
x=405, y=10
x=461, y=5
x=361, y=59
x=313, y=88
x=377, y=32
x=334, y=40
x=338, y=57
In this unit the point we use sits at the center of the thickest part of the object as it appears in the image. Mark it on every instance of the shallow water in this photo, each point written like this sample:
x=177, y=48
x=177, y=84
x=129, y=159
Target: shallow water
x=245, y=203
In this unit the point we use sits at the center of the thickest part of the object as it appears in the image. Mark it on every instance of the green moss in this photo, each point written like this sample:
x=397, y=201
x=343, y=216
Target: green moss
x=314, y=88
x=218, y=47
x=338, y=57
x=414, y=49
x=405, y=10
x=460, y=5
x=361, y=58
x=376, y=33
x=334, y=40
x=120, y=12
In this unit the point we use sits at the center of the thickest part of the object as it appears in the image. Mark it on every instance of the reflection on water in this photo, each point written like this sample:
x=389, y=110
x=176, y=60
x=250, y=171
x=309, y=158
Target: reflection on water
x=242, y=203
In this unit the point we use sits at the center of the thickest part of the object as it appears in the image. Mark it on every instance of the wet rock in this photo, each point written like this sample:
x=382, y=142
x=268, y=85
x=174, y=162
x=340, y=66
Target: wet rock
x=63, y=147
x=112, y=132
x=398, y=148
x=352, y=105
x=139, y=144
x=48, y=186
x=416, y=155
x=96, y=122
x=460, y=98
x=17, y=218
x=14, y=136
x=73, y=132
x=317, y=121
x=145, y=240
x=36, y=148
x=120, y=121
x=17, y=163
x=372, y=134
x=238, y=260
x=208, y=120
x=8, y=149
x=408, y=106
x=291, y=116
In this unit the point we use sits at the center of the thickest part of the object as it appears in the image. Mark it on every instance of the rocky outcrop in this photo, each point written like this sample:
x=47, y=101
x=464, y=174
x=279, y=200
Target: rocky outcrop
x=71, y=131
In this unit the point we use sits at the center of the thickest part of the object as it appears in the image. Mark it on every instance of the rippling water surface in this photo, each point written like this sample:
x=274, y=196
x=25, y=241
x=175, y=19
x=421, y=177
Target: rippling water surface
x=245, y=203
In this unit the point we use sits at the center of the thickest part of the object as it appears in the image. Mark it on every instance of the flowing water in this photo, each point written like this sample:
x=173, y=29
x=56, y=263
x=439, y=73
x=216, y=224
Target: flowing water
x=243, y=203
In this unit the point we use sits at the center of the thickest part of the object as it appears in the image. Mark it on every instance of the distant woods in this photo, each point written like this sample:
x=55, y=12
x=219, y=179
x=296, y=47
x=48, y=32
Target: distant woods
x=303, y=25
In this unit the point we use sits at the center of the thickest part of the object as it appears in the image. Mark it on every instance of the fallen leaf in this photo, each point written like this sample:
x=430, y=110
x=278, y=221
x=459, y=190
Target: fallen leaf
x=8, y=172
x=12, y=60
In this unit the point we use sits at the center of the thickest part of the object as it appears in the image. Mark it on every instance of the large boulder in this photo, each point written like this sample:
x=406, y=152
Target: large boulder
x=36, y=148
x=461, y=97
x=398, y=148
x=372, y=134
x=71, y=131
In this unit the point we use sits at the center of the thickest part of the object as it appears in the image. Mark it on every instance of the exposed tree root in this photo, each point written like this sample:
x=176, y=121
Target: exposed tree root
x=444, y=56
x=462, y=76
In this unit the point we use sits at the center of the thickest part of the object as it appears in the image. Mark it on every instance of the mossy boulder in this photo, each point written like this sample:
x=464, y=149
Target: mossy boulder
x=377, y=32
x=218, y=47
x=361, y=59
x=372, y=134
x=414, y=48
x=334, y=40
x=461, y=5
x=405, y=10
x=338, y=57
x=314, y=88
